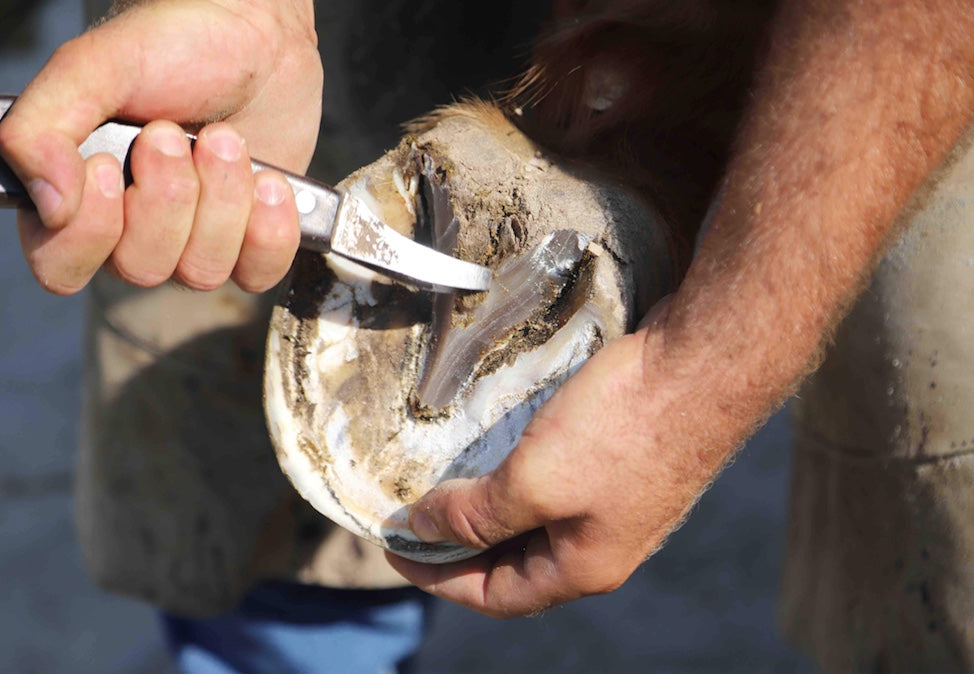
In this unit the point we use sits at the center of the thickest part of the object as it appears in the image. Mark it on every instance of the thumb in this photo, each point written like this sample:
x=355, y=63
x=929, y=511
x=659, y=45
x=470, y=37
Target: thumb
x=476, y=513
x=40, y=135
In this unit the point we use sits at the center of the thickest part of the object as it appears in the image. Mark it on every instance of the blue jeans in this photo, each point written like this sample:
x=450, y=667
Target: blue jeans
x=286, y=628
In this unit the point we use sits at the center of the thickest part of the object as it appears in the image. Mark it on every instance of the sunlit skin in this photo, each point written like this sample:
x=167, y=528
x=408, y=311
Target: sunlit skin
x=857, y=103
x=199, y=217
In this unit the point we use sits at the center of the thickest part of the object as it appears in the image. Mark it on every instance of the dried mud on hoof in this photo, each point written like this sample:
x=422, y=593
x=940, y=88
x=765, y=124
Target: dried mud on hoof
x=376, y=392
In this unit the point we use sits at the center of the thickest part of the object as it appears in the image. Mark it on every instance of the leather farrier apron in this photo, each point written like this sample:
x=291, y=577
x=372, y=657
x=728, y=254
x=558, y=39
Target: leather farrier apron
x=879, y=575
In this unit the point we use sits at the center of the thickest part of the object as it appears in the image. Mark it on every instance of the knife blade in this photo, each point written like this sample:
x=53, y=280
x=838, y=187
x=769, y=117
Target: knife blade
x=331, y=221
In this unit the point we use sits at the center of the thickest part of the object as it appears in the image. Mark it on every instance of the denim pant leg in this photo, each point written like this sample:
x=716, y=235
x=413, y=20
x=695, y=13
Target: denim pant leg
x=285, y=628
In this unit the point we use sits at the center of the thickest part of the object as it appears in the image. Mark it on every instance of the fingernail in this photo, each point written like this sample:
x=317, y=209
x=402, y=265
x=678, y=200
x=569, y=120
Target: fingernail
x=170, y=142
x=109, y=180
x=45, y=197
x=270, y=190
x=225, y=144
x=422, y=525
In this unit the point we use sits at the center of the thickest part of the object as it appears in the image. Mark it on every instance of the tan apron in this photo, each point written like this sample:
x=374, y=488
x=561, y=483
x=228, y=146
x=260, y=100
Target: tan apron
x=879, y=575
x=180, y=500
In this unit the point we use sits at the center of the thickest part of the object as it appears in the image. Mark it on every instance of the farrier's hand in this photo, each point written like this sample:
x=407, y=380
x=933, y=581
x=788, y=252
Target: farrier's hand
x=199, y=216
x=821, y=171
x=602, y=474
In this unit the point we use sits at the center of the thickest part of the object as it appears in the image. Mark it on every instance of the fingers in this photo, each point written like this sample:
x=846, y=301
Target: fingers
x=476, y=513
x=160, y=206
x=528, y=490
x=225, y=197
x=201, y=216
x=524, y=576
x=522, y=580
x=55, y=184
x=272, y=235
x=63, y=260
x=40, y=134
x=195, y=214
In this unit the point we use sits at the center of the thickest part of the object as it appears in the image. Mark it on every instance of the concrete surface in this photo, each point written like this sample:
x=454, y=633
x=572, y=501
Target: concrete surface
x=704, y=604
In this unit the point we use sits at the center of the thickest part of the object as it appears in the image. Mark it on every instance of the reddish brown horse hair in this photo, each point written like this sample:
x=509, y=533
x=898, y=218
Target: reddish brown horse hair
x=649, y=91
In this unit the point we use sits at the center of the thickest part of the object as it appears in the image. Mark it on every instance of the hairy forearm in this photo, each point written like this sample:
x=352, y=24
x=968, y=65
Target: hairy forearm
x=857, y=103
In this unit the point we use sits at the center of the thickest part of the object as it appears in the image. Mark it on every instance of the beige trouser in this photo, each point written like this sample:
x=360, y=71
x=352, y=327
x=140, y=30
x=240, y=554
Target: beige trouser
x=879, y=575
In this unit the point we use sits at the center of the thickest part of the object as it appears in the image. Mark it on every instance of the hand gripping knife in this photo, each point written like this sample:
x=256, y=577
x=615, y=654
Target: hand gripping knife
x=331, y=221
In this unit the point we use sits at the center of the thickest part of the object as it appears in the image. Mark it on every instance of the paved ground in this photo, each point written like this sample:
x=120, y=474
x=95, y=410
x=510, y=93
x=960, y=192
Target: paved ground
x=704, y=604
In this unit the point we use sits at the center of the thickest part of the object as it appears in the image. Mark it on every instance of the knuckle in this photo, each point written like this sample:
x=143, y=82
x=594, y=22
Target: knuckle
x=538, y=498
x=539, y=502
x=137, y=275
x=199, y=274
x=68, y=52
x=599, y=580
x=105, y=233
x=254, y=288
x=468, y=528
x=180, y=190
x=255, y=284
x=277, y=236
x=544, y=426
x=11, y=134
x=606, y=585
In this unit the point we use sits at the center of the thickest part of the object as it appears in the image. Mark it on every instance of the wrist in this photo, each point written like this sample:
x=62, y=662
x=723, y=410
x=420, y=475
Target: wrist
x=712, y=370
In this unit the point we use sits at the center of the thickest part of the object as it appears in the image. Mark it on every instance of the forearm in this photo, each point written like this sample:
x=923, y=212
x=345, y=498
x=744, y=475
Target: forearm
x=858, y=102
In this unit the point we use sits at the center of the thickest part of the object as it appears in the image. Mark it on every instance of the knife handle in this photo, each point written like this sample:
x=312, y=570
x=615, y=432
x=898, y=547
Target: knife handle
x=317, y=203
x=12, y=191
